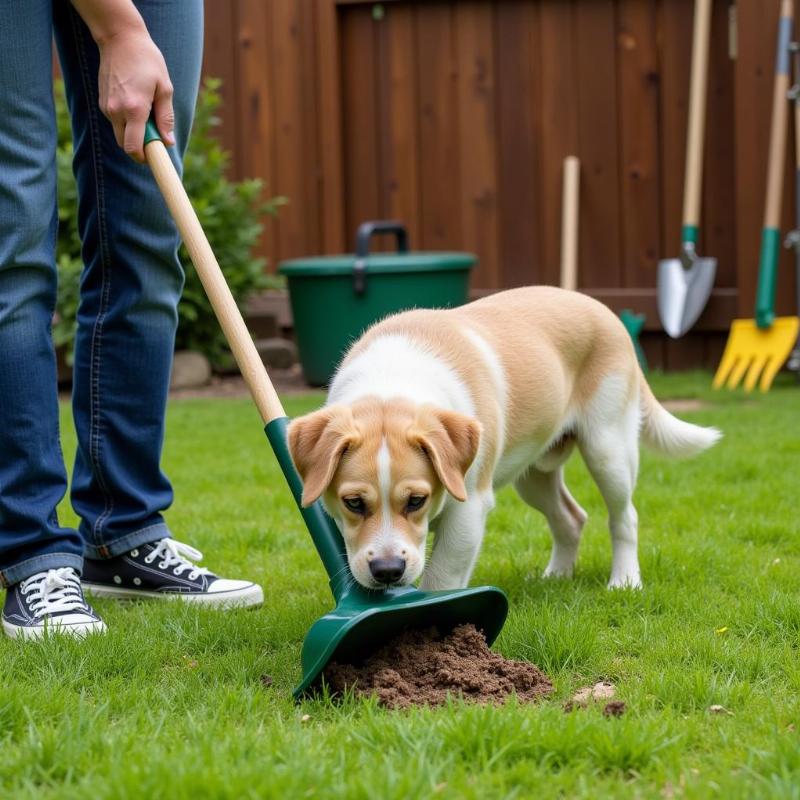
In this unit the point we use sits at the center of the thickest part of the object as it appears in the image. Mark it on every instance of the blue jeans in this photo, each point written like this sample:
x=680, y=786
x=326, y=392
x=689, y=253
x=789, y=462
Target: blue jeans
x=130, y=289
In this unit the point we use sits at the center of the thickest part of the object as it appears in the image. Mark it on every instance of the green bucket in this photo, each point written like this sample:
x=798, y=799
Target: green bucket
x=336, y=298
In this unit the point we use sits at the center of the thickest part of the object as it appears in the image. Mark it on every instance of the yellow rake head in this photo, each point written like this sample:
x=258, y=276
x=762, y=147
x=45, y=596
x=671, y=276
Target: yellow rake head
x=753, y=352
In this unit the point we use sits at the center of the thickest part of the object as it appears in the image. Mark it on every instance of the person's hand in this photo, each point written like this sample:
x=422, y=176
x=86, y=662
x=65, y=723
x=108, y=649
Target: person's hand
x=133, y=78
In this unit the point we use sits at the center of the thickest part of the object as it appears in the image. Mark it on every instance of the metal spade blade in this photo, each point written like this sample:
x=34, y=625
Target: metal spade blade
x=683, y=293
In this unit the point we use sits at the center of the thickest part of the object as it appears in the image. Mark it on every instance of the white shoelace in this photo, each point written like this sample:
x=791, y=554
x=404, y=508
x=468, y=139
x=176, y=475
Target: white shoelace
x=177, y=555
x=53, y=592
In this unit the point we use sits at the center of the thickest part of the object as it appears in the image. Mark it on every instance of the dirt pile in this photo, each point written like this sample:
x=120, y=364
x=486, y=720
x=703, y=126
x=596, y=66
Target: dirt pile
x=423, y=668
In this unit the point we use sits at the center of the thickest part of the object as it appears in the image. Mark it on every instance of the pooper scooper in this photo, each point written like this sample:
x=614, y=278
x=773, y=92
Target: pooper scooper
x=363, y=619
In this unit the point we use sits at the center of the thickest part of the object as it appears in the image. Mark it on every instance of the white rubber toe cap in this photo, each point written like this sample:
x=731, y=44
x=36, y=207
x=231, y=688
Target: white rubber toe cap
x=78, y=625
x=227, y=585
x=235, y=593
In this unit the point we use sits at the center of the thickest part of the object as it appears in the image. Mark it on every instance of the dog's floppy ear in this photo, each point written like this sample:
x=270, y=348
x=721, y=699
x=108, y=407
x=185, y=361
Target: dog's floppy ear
x=450, y=440
x=317, y=442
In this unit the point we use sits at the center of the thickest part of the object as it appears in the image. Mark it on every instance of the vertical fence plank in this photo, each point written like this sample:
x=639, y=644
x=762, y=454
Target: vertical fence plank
x=294, y=117
x=478, y=138
x=684, y=353
x=397, y=109
x=329, y=123
x=254, y=121
x=718, y=220
x=519, y=175
x=559, y=116
x=654, y=348
x=219, y=61
x=713, y=347
x=600, y=247
x=360, y=119
x=309, y=114
x=438, y=111
x=638, y=132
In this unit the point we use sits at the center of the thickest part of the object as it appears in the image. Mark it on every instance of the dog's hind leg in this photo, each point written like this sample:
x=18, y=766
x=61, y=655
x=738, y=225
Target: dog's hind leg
x=546, y=492
x=610, y=447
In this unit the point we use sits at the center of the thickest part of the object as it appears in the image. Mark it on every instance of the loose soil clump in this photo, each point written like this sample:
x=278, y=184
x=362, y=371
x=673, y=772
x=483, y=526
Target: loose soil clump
x=616, y=708
x=424, y=668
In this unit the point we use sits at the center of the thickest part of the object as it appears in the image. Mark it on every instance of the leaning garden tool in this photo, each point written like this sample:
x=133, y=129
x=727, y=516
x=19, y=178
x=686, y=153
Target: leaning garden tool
x=634, y=324
x=362, y=619
x=569, y=250
x=793, y=238
x=569, y=224
x=757, y=349
x=685, y=283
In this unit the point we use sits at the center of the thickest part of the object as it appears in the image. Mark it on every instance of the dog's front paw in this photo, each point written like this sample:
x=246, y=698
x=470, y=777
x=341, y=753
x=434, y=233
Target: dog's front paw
x=630, y=581
x=433, y=581
x=558, y=570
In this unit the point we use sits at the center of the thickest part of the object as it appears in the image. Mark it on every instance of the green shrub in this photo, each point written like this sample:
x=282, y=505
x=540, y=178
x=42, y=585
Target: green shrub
x=230, y=213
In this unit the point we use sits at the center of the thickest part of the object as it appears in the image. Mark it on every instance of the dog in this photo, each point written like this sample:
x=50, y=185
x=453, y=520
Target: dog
x=431, y=411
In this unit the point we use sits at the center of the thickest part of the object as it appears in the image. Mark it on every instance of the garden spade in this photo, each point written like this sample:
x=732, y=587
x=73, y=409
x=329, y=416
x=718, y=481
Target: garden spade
x=363, y=619
x=685, y=283
x=570, y=212
x=757, y=349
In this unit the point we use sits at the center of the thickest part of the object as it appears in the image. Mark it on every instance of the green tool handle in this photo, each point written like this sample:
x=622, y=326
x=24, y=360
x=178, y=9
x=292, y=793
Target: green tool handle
x=151, y=133
x=689, y=235
x=770, y=237
x=767, y=277
x=323, y=531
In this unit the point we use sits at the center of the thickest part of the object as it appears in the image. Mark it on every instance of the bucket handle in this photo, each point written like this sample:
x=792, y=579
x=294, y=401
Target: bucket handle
x=366, y=230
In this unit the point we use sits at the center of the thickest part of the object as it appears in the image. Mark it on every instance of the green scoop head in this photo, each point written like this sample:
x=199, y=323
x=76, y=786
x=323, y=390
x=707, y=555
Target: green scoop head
x=365, y=619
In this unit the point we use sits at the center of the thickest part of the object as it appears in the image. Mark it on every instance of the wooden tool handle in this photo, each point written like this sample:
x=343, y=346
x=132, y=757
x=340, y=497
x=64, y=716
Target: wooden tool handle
x=569, y=224
x=797, y=139
x=780, y=111
x=697, y=113
x=228, y=314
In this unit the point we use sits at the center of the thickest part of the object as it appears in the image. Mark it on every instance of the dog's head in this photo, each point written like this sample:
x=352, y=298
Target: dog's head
x=382, y=469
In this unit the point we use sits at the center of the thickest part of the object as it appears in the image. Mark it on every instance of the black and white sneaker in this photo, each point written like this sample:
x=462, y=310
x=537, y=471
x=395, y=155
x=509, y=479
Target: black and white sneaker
x=48, y=603
x=163, y=570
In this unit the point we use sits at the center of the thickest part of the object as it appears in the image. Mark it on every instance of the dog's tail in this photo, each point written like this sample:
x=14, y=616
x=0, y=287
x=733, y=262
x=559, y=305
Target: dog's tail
x=670, y=435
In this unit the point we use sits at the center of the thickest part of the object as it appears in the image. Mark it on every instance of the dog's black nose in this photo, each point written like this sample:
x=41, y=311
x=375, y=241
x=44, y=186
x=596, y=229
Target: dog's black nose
x=387, y=570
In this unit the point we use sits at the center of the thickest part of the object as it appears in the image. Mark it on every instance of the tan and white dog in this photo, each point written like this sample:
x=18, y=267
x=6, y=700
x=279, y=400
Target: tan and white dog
x=431, y=411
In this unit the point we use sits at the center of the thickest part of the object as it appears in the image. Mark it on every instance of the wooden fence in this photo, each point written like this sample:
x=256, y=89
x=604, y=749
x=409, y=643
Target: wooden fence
x=455, y=117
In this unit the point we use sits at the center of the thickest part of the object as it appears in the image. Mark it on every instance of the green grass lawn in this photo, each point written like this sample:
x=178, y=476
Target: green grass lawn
x=171, y=703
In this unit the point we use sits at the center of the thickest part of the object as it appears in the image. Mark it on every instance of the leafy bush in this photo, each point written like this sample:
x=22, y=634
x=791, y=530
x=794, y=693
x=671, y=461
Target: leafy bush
x=230, y=213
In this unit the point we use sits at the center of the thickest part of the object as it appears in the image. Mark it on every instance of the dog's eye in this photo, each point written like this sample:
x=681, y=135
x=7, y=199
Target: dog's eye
x=415, y=502
x=355, y=504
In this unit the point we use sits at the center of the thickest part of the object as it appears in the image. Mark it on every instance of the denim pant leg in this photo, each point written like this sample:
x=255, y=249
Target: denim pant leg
x=32, y=475
x=129, y=290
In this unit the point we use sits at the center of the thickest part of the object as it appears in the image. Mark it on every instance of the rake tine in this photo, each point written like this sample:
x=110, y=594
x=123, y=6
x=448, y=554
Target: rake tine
x=725, y=366
x=737, y=373
x=755, y=370
x=770, y=371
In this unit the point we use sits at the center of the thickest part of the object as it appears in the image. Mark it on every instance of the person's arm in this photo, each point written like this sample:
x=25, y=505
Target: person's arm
x=133, y=75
